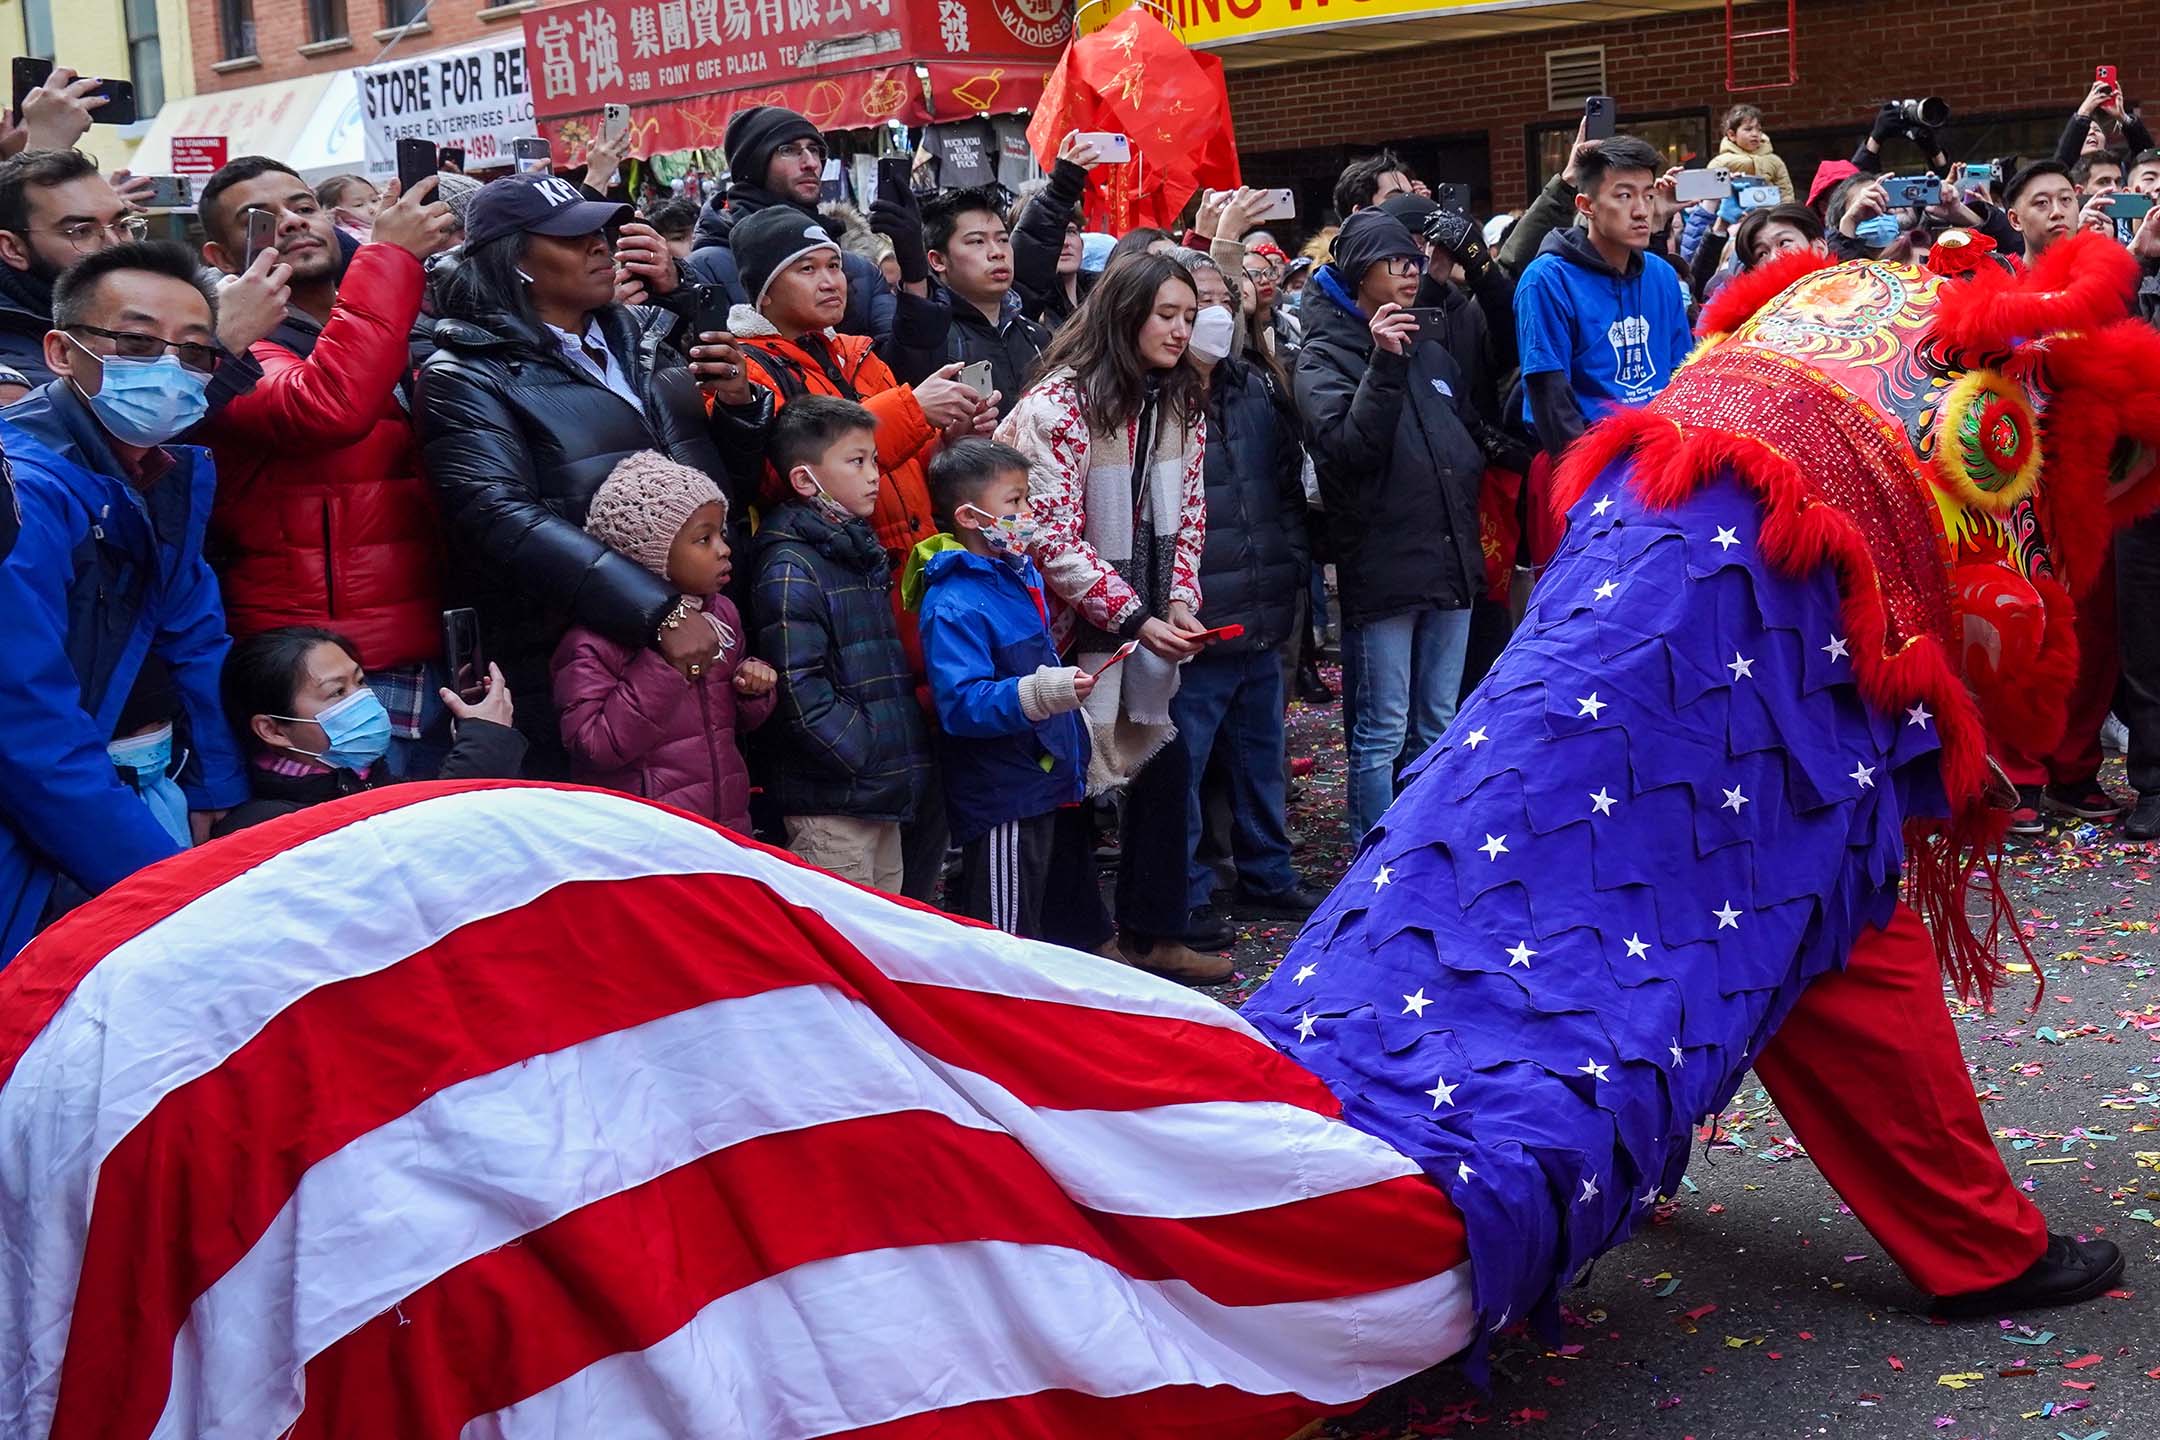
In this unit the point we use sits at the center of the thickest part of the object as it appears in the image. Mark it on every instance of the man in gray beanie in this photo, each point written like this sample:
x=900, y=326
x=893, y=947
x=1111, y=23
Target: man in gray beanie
x=776, y=157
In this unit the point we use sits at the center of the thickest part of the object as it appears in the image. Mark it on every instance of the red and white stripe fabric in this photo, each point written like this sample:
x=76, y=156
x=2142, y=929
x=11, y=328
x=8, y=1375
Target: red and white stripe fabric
x=524, y=1111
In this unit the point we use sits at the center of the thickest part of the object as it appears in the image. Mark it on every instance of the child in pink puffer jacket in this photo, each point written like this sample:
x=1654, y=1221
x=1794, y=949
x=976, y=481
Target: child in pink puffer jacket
x=632, y=720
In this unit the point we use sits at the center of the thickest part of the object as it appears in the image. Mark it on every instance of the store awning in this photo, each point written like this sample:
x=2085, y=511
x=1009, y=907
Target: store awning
x=1249, y=34
x=311, y=123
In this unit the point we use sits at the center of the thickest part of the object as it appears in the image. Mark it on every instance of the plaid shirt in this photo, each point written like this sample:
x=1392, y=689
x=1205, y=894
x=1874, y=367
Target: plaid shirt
x=408, y=693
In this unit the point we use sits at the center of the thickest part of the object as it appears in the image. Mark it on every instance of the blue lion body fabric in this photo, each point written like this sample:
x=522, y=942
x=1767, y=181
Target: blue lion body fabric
x=1663, y=813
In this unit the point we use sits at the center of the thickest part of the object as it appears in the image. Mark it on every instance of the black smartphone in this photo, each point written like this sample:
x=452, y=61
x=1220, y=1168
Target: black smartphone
x=29, y=72
x=711, y=314
x=1431, y=325
x=416, y=161
x=1599, y=117
x=1452, y=195
x=453, y=159
x=462, y=655
x=895, y=176
x=533, y=155
x=261, y=234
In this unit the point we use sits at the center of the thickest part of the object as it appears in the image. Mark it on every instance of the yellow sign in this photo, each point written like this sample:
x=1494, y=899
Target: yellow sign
x=1201, y=23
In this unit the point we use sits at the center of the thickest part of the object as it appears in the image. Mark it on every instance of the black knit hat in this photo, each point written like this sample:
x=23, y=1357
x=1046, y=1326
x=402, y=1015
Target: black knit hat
x=754, y=134
x=1369, y=237
x=771, y=240
x=1411, y=208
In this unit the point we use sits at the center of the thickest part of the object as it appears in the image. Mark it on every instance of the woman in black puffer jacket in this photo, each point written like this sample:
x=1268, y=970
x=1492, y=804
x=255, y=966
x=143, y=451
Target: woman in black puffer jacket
x=540, y=382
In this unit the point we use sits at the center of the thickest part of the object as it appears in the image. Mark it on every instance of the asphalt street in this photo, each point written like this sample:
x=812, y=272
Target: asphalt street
x=1756, y=1306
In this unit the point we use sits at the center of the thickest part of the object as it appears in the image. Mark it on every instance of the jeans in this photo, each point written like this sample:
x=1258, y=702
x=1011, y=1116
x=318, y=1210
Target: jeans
x=1409, y=668
x=1235, y=703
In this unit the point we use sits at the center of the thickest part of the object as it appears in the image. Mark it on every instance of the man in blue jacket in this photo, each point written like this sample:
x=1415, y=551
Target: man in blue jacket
x=103, y=570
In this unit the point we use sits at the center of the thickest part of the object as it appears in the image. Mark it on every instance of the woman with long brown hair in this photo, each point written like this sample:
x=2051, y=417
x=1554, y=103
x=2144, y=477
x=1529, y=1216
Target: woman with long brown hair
x=1114, y=433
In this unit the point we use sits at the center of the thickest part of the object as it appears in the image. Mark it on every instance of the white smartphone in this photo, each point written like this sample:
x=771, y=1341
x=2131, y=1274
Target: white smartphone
x=1282, y=205
x=1111, y=148
x=1696, y=185
x=614, y=123
x=978, y=377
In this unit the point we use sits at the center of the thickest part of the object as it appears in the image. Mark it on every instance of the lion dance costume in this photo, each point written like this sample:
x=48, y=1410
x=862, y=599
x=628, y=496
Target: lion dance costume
x=524, y=1110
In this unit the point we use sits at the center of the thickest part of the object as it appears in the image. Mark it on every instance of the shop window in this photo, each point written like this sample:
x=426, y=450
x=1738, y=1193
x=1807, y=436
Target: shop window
x=236, y=28
x=326, y=20
x=1681, y=137
x=146, y=58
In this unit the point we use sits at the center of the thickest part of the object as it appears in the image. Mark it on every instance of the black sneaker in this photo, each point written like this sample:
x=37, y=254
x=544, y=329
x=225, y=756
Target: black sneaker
x=2068, y=1272
x=1292, y=904
x=2027, y=819
x=1312, y=689
x=2144, y=821
x=1205, y=929
x=2087, y=801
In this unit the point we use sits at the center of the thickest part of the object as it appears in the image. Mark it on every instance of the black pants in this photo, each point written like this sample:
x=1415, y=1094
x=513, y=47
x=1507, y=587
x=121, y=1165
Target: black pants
x=924, y=841
x=1072, y=908
x=1004, y=874
x=2137, y=617
x=1151, y=881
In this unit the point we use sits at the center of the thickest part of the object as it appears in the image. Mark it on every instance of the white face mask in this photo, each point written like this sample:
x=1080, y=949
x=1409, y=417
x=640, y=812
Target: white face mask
x=1214, y=330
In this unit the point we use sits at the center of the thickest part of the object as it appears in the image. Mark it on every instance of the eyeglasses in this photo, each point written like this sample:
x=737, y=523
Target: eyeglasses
x=135, y=345
x=79, y=233
x=1403, y=266
x=797, y=149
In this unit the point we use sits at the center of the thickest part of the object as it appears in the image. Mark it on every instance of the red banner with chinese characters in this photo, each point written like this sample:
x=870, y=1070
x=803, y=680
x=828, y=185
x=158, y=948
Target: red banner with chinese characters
x=841, y=62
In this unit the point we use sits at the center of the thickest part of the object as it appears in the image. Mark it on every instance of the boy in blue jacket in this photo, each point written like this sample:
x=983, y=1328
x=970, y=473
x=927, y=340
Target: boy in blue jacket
x=1013, y=748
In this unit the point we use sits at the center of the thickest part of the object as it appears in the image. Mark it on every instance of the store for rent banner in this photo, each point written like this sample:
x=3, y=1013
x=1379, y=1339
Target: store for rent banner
x=685, y=66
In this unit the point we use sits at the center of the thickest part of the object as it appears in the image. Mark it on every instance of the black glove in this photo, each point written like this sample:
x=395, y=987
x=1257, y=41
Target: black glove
x=1923, y=137
x=1889, y=121
x=1455, y=233
x=901, y=223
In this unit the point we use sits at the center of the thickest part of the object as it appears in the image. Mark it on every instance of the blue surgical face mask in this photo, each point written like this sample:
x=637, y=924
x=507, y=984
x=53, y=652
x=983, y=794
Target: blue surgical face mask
x=1878, y=232
x=147, y=762
x=146, y=402
x=357, y=727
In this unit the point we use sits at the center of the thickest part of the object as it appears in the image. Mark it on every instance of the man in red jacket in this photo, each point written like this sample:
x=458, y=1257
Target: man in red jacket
x=322, y=514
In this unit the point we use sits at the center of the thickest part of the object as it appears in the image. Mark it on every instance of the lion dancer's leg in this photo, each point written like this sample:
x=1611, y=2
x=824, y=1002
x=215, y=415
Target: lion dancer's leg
x=1867, y=1071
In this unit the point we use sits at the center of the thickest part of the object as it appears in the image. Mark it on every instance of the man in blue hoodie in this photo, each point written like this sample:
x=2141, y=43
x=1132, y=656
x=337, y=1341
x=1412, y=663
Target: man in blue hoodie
x=1011, y=746
x=1599, y=325
x=101, y=570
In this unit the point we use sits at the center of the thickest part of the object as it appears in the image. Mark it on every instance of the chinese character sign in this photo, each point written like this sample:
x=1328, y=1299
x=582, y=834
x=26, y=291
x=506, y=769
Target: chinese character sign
x=642, y=52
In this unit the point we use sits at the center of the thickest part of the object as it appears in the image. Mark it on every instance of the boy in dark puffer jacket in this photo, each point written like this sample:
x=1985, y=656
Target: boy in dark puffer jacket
x=1012, y=749
x=853, y=756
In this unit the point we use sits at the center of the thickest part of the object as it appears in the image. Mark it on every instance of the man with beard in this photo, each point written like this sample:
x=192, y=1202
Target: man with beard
x=55, y=208
x=323, y=516
x=777, y=157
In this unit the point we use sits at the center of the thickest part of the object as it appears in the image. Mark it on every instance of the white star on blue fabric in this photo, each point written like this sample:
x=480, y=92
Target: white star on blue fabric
x=1741, y=666
x=1520, y=954
x=1725, y=539
x=1734, y=800
x=1386, y=876
x=1305, y=972
x=1589, y=1191
x=1305, y=1026
x=1494, y=847
x=1604, y=503
x=1865, y=774
x=1677, y=1057
x=1601, y=803
x=1476, y=738
x=1594, y=1070
x=1837, y=649
x=1728, y=918
x=1443, y=1093
x=1637, y=948
x=1918, y=715
x=1415, y=1004
x=1647, y=1198
x=1591, y=706
x=1605, y=590
x=1463, y=1170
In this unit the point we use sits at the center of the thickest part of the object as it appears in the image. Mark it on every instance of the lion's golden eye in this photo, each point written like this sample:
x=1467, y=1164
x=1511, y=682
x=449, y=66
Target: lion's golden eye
x=1987, y=442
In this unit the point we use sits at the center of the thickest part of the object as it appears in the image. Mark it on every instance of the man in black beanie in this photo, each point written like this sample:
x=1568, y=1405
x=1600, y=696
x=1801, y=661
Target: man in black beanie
x=777, y=157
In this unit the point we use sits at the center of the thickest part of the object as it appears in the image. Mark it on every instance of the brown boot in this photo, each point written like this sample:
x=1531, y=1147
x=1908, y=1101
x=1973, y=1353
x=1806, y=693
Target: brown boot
x=1174, y=961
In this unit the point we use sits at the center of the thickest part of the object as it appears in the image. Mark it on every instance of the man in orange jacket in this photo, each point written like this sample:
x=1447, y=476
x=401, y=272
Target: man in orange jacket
x=791, y=270
x=322, y=515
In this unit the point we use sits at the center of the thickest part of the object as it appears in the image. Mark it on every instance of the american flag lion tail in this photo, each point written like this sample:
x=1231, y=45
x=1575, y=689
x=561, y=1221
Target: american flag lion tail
x=521, y=1110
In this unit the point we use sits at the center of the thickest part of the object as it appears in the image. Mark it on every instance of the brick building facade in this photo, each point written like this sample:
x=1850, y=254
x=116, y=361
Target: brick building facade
x=1475, y=111
x=251, y=42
